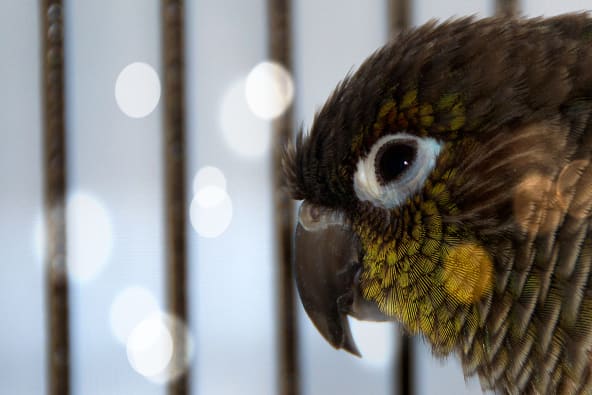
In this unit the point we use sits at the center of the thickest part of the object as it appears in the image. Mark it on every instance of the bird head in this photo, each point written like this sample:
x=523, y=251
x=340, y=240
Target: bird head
x=420, y=172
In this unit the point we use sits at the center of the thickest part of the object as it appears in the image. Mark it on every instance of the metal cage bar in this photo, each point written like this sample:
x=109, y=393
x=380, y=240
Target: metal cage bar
x=509, y=8
x=280, y=50
x=399, y=18
x=174, y=153
x=405, y=367
x=58, y=353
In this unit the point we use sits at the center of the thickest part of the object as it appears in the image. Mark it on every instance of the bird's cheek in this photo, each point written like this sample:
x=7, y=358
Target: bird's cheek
x=467, y=273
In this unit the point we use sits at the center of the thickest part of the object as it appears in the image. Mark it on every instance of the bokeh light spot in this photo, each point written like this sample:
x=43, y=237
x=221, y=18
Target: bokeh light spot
x=245, y=134
x=137, y=90
x=150, y=347
x=160, y=347
x=468, y=272
x=210, y=211
x=89, y=236
x=269, y=90
x=130, y=307
x=209, y=176
x=374, y=340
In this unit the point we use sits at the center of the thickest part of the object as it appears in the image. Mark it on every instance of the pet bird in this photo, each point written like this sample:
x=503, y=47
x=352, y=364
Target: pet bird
x=447, y=185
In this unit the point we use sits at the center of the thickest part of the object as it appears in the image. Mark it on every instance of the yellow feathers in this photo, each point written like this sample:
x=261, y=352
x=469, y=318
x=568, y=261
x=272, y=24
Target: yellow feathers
x=467, y=273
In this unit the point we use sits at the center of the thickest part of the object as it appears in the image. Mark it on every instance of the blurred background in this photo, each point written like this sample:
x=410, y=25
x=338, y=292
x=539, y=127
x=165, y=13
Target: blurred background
x=115, y=201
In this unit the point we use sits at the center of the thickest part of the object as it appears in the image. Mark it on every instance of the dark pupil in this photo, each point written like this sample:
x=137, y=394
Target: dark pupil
x=394, y=159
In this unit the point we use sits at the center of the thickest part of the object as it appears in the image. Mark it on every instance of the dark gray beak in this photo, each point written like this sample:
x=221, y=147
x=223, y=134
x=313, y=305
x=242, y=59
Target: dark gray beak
x=324, y=281
x=327, y=268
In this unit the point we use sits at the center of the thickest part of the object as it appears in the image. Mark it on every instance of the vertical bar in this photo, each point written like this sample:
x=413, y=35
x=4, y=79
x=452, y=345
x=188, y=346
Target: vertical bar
x=399, y=12
x=55, y=196
x=507, y=8
x=176, y=213
x=280, y=48
x=405, y=372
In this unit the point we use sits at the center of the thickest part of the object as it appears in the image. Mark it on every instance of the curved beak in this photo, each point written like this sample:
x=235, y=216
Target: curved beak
x=327, y=269
x=324, y=278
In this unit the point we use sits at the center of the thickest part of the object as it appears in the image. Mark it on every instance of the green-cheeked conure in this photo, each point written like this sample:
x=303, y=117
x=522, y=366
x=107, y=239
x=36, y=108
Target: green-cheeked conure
x=447, y=185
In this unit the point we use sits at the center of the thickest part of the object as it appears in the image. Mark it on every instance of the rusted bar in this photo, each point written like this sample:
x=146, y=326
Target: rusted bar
x=280, y=50
x=55, y=197
x=174, y=147
x=509, y=8
x=399, y=12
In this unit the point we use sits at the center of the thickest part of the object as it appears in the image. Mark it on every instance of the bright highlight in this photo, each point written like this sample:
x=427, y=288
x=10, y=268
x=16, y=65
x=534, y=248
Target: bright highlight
x=209, y=176
x=211, y=211
x=160, y=348
x=245, y=133
x=269, y=90
x=137, y=90
x=150, y=347
x=130, y=307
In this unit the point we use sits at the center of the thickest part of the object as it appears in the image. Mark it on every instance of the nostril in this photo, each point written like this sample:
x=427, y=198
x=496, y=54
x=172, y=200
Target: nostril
x=315, y=218
x=315, y=213
x=310, y=215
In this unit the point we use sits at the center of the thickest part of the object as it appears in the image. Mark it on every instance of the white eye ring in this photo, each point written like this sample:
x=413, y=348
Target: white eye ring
x=394, y=193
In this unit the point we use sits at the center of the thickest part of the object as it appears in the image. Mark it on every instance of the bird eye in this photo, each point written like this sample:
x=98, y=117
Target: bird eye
x=395, y=168
x=393, y=159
